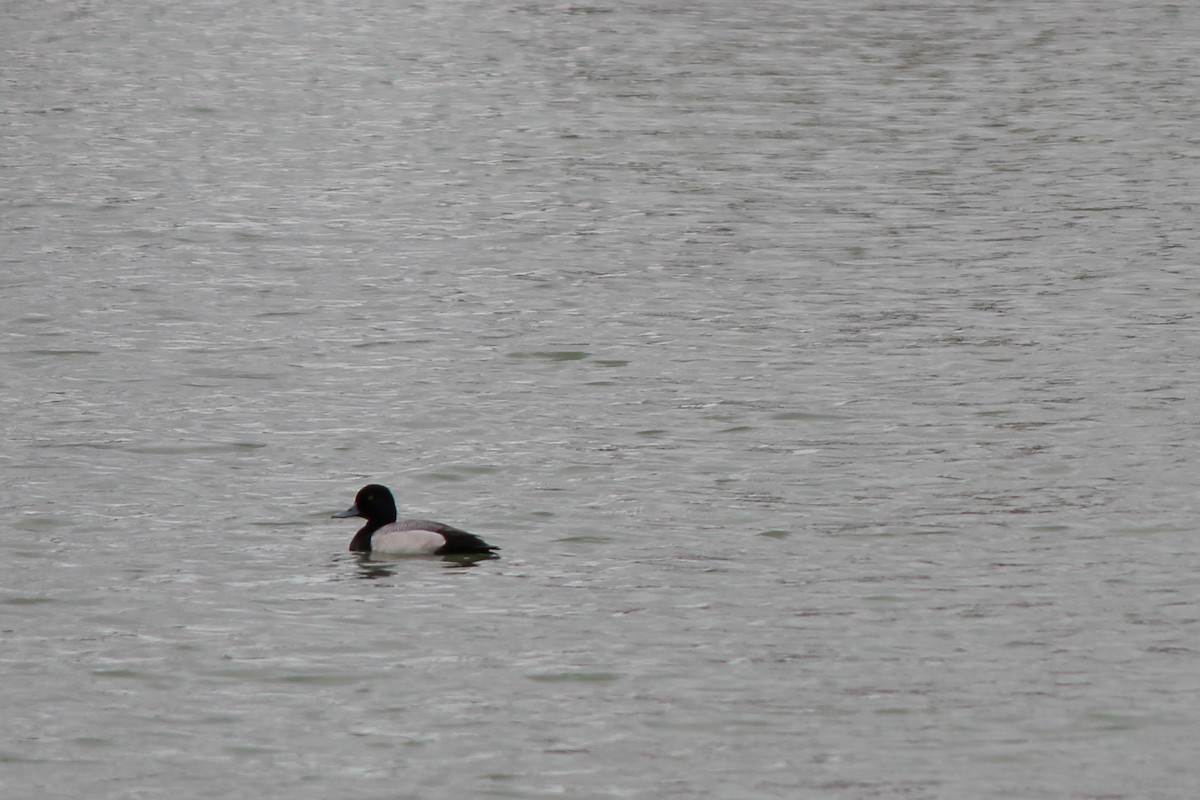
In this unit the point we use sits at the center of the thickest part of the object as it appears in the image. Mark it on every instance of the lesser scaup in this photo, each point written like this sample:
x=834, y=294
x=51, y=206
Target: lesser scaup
x=410, y=537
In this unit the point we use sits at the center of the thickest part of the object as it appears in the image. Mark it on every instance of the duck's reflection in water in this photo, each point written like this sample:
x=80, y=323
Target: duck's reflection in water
x=373, y=567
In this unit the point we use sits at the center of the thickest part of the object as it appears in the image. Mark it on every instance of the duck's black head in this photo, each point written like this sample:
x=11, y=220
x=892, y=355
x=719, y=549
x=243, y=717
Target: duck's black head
x=373, y=502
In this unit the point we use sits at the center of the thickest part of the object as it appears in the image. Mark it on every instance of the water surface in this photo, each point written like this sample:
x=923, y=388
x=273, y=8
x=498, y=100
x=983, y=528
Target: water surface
x=825, y=370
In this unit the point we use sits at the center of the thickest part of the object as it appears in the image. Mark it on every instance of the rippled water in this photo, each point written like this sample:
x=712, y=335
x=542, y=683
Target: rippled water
x=826, y=372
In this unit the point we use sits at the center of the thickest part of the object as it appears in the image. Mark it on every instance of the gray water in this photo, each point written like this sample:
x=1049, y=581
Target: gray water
x=826, y=372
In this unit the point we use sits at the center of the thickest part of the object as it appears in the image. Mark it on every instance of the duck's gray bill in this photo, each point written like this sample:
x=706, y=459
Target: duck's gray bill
x=352, y=511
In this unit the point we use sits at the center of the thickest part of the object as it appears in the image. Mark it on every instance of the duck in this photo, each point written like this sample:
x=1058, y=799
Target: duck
x=408, y=537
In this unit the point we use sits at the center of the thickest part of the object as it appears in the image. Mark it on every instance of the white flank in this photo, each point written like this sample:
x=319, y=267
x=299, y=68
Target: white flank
x=406, y=543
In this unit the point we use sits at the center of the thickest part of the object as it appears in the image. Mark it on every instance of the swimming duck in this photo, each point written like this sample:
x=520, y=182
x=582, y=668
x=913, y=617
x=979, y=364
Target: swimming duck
x=409, y=537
